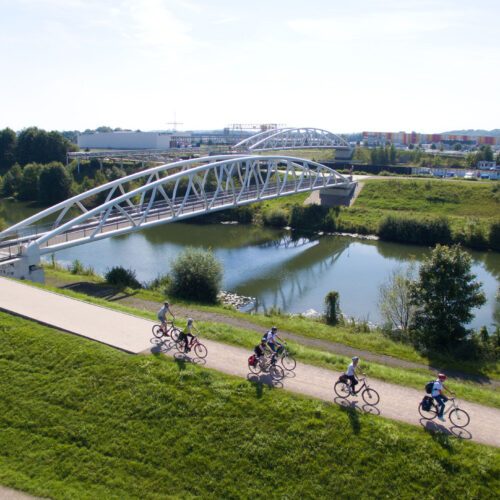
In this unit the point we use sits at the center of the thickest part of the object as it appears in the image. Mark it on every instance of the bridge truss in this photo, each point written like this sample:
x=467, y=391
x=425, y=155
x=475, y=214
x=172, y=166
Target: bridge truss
x=163, y=194
x=292, y=138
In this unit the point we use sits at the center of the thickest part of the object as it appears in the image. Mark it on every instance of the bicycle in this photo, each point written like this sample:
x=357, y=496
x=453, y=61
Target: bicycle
x=286, y=359
x=195, y=345
x=170, y=331
x=266, y=364
x=458, y=417
x=343, y=389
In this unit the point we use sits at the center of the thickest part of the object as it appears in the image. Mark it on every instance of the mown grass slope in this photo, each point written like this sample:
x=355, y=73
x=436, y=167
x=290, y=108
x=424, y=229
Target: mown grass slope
x=81, y=420
x=460, y=201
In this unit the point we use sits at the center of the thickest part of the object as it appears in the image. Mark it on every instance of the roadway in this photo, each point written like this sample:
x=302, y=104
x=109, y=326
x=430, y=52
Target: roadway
x=133, y=334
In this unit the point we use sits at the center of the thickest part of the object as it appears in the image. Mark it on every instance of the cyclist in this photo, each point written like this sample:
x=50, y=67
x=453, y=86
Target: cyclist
x=188, y=333
x=437, y=394
x=351, y=374
x=162, y=315
x=270, y=339
x=260, y=350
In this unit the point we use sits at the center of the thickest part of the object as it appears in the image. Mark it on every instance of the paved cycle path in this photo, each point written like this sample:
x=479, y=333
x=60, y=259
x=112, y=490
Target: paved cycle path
x=133, y=334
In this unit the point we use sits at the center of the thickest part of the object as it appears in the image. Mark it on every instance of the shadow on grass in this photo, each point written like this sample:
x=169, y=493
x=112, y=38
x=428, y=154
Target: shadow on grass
x=261, y=380
x=353, y=411
x=442, y=434
x=99, y=290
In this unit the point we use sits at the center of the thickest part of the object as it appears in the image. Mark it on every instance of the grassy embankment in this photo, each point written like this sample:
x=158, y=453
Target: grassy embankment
x=82, y=420
x=247, y=339
x=461, y=202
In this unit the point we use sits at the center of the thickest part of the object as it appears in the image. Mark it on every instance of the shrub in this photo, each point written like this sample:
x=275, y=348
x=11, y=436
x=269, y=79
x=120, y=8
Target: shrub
x=77, y=267
x=472, y=235
x=275, y=217
x=310, y=217
x=494, y=236
x=417, y=231
x=196, y=275
x=332, y=310
x=121, y=277
x=160, y=284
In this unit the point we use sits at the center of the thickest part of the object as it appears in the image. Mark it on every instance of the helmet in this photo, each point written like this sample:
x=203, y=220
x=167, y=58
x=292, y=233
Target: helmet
x=442, y=376
x=166, y=303
x=273, y=329
x=355, y=358
x=190, y=321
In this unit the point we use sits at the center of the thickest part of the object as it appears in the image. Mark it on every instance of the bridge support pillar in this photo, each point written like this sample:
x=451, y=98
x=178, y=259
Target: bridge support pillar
x=25, y=267
x=337, y=196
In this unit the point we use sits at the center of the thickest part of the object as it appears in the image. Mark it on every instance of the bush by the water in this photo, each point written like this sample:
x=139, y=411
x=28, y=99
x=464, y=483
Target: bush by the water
x=196, y=275
x=494, y=237
x=275, y=217
x=332, y=309
x=122, y=278
x=308, y=217
x=417, y=231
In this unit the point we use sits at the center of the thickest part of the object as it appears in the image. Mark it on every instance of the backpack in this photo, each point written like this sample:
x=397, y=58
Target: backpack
x=252, y=360
x=429, y=386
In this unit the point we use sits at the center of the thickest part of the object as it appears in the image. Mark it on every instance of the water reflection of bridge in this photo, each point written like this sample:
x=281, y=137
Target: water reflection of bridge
x=298, y=275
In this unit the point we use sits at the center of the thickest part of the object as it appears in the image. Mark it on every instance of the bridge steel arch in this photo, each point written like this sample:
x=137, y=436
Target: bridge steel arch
x=292, y=138
x=166, y=193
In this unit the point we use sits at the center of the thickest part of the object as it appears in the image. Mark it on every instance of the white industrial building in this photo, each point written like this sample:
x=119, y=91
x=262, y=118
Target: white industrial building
x=132, y=140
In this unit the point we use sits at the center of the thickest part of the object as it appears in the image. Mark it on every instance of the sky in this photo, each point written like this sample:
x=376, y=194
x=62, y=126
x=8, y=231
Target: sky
x=343, y=66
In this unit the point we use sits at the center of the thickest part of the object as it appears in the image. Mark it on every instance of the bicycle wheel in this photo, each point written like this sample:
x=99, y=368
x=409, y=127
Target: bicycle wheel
x=276, y=372
x=459, y=418
x=429, y=414
x=288, y=362
x=200, y=350
x=370, y=397
x=255, y=368
x=180, y=345
x=342, y=389
x=157, y=331
x=174, y=333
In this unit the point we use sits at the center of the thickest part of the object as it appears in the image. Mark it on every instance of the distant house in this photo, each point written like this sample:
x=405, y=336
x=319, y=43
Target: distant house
x=486, y=164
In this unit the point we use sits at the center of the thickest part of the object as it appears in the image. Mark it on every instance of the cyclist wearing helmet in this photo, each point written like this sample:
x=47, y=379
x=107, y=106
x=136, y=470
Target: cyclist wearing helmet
x=260, y=350
x=270, y=339
x=188, y=333
x=162, y=315
x=351, y=373
x=437, y=394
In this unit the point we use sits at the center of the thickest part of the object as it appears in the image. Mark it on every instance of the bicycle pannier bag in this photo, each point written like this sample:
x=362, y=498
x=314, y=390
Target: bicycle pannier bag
x=343, y=378
x=426, y=403
x=429, y=386
x=252, y=360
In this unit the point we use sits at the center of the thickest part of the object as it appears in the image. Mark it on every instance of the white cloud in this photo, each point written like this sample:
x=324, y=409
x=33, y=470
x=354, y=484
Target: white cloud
x=377, y=25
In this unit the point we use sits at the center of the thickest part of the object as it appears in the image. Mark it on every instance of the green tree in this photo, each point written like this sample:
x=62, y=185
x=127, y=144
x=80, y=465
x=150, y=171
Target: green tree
x=8, y=142
x=332, y=308
x=39, y=146
x=28, y=189
x=444, y=295
x=12, y=181
x=54, y=184
x=196, y=275
x=395, y=303
x=487, y=153
x=392, y=154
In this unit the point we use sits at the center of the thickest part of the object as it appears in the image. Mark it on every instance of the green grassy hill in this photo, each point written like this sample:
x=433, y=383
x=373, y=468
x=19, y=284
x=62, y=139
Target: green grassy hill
x=461, y=201
x=81, y=420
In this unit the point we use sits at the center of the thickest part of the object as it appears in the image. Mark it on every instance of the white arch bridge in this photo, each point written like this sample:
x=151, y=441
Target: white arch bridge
x=293, y=138
x=158, y=195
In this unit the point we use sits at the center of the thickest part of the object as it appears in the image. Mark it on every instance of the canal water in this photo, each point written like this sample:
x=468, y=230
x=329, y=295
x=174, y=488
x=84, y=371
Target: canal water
x=280, y=268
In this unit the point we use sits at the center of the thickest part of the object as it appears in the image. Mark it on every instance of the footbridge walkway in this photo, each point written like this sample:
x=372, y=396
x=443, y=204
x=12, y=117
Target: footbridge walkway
x=160, y=195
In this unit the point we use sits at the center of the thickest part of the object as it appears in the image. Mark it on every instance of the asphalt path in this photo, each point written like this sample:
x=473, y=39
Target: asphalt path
x=132, y=334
